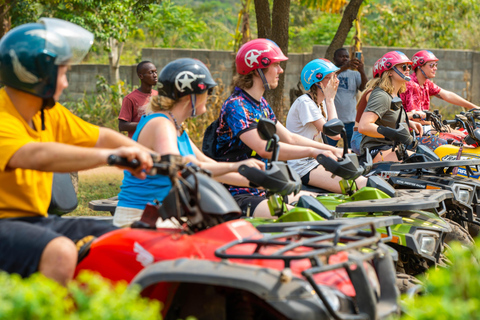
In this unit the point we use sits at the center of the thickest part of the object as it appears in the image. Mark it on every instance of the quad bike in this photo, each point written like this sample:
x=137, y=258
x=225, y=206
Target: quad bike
x=420, y=171
x=209, y=268
x=418, y=241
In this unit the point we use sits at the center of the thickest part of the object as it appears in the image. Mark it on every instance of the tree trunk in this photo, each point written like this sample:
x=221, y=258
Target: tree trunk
x=262, y=12
x=279, y=34
x=349, y=15
x=5, y=19
x=114, y=60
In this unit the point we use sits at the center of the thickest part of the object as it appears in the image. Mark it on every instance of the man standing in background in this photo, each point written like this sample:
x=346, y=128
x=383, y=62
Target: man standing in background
x=350, y=82
x=129, y=113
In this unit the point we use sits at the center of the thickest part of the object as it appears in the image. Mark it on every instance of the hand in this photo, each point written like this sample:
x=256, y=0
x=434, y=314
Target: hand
x=338, y=152
x=330, y=90
x=357, y=64
x=326, y=153
x=253, y=163
x=131, y=153
x=417, y=127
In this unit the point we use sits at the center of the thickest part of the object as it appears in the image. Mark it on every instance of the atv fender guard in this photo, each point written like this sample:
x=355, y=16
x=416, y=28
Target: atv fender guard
x=294, y=299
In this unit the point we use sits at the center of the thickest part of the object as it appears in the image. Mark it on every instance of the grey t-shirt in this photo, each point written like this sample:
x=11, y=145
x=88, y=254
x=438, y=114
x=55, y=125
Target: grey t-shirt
x=346, y=97
x=379, y=103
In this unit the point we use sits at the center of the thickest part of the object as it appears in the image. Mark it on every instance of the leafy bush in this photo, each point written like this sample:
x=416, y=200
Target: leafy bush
x=103, y=107
x=89, y=297
x=451, y=293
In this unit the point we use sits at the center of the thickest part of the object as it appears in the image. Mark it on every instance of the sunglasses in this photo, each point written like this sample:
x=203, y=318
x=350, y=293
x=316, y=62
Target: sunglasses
x=433, y=65
x=406, y=67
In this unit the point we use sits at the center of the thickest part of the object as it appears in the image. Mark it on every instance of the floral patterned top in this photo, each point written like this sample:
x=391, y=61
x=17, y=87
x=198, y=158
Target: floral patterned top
x=418, y=97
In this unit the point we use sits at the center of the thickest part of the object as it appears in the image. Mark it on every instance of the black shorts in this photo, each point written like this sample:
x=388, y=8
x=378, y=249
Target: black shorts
x=22, y=240
x=248, y=202
x=374, y=151
x=306, y=178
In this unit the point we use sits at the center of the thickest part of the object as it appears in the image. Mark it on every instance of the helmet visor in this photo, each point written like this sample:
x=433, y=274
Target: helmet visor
x=77, y=40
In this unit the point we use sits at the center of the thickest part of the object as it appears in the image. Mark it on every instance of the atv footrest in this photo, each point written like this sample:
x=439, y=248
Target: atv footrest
x=405, y=200
x=109, y=204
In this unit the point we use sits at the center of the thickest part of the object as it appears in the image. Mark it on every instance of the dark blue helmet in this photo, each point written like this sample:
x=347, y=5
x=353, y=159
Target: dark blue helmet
x=31, y=53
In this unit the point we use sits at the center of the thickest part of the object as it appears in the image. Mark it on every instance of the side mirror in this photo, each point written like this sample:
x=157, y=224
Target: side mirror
x=333, y=127
x=266, y=129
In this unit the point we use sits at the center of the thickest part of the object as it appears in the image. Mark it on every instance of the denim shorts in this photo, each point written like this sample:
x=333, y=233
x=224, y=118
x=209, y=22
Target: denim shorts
x=356, y=141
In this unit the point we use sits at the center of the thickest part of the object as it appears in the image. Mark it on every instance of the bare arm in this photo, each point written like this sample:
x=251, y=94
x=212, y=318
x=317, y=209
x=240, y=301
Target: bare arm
x=288, y=150
x=367, y=125
x=127, y=126
x=59, y=157
x=455, y=99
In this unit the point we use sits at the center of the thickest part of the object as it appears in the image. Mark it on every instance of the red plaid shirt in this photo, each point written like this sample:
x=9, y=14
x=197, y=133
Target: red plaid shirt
x=418, y=97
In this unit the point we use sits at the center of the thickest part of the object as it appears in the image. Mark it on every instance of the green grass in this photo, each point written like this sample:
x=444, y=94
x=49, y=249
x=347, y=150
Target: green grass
x=101, y=183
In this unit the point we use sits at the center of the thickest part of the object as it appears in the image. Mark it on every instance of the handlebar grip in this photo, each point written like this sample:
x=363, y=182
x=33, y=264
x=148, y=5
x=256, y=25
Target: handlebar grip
x=449, y=121
x=115, y=160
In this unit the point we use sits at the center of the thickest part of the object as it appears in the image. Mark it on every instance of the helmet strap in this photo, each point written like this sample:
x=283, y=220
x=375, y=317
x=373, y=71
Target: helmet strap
x=320, y=87
x=47, y=103
x=421, y=70
x=193, y=101
x=264, y=80
x=404, y=77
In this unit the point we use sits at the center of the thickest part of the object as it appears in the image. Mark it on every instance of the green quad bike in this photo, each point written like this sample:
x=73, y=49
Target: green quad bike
x=419, y=241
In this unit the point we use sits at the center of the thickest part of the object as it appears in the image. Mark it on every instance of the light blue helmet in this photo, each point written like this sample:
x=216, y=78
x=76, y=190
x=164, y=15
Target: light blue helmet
x=315, y=71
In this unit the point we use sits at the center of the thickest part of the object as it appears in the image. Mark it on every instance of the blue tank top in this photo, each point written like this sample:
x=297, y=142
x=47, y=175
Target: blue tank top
x=136, y=193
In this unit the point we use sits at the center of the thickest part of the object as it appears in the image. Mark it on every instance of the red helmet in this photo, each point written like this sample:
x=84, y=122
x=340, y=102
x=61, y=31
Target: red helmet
x=387, y=62
x=422, y=57
x=258, y=54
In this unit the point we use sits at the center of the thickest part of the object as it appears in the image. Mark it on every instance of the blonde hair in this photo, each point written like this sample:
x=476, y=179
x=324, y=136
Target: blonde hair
x=244, y=81
x=159, y=103
x=385, y=83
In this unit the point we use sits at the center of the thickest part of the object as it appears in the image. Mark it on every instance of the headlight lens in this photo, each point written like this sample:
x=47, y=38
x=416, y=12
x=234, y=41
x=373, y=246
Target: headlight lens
x=463, y=195
x=427, y=244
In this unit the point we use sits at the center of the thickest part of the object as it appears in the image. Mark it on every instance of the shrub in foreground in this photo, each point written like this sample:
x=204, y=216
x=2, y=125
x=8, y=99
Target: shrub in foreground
x=88, y=297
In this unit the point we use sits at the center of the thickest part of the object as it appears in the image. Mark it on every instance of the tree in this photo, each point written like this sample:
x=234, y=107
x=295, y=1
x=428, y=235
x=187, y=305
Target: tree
x=349, y=16
x=279, y=17
x=111, y=21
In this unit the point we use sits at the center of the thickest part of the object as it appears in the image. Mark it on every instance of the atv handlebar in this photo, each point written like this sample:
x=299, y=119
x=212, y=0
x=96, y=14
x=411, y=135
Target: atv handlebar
x=114, y=160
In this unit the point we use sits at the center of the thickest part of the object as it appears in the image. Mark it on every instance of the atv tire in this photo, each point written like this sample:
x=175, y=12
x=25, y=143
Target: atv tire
x=473, y=228
x=406, y=282
x=458, y=234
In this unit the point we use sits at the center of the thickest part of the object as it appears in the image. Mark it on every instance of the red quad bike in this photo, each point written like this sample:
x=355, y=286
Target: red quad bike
x=211, y=269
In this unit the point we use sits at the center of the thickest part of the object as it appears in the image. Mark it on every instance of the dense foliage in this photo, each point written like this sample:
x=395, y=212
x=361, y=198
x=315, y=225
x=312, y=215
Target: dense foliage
x=451, y=293
x=89, y=297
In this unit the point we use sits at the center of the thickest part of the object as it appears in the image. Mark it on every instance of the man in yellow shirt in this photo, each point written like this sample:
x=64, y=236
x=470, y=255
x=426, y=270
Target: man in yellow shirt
x=39, y=136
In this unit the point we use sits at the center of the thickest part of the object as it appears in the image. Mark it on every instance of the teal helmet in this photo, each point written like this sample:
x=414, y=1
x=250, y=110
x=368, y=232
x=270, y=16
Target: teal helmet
x=31, y=53
x=315, y=71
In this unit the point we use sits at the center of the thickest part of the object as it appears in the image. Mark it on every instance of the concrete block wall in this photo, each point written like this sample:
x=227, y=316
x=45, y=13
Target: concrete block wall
x=454, y=65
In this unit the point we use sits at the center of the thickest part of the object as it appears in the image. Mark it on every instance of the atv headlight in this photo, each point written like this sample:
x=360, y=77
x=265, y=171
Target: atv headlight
x=463, y=193
x=427, y=244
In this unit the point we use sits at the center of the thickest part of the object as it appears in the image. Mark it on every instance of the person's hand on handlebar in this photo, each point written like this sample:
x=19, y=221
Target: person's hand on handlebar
x=417, y=127
x=132, y=153
x=253, y=163
x=328, y=153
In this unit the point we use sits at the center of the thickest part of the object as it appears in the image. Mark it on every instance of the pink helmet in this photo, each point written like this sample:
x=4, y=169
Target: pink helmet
x=387, y=62
x=258, y=54
x=422, y=57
